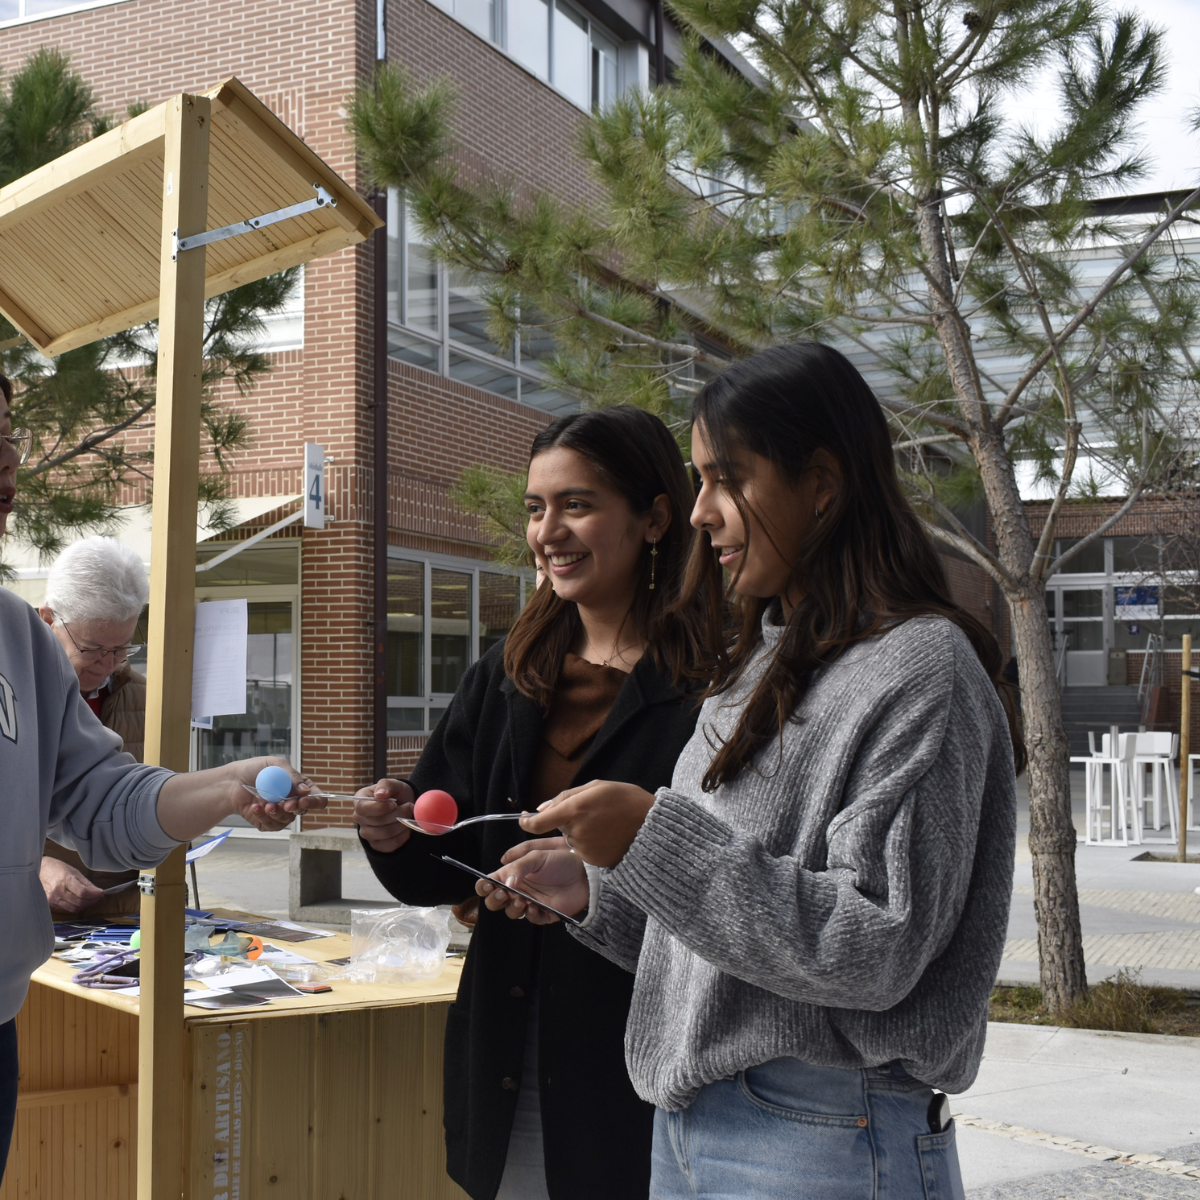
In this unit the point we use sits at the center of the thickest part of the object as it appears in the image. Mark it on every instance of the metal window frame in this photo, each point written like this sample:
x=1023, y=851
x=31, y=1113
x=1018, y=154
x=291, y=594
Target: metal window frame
x=440, y=339
x=464, y=566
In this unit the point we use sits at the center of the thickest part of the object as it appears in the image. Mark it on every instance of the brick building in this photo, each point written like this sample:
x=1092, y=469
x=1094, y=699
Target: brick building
x=526, y=72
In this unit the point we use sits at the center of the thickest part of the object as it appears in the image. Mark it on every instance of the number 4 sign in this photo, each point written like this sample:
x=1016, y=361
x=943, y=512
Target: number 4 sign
x=314, y=486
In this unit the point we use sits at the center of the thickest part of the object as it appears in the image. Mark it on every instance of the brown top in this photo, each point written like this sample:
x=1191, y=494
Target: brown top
x=581, y=704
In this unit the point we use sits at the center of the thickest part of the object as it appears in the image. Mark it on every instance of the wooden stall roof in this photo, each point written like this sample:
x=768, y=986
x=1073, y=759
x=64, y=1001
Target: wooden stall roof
x=81, y=238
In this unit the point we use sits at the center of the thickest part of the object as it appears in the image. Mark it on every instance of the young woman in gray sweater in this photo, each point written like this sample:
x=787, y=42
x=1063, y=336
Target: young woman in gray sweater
x=815, y=908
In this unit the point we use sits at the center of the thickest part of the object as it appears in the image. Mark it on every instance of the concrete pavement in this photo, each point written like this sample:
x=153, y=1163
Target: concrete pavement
x=1136, y=914
x=1070, y=1114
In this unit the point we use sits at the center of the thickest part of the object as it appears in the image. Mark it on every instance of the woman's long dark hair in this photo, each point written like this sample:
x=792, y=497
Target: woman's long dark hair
x=636, y=454
x=866, y=566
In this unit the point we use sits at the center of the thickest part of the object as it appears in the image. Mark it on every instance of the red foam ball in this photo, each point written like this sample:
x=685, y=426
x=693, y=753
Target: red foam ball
x=435, y=808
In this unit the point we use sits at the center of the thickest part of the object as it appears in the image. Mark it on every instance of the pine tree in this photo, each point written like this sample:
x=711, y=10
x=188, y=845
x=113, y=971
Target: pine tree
x=875, y=189
x=83, y=405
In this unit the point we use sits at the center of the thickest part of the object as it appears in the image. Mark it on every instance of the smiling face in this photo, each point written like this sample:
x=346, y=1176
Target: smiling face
x=9, y=461
x=780, y=515
x=584, y=534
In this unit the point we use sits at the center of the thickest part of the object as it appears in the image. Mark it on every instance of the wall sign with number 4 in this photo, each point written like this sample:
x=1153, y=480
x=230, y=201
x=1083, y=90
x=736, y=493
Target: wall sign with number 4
x=314, y=486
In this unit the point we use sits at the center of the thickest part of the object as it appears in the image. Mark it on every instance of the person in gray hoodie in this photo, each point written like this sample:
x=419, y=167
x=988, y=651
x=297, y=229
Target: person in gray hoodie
x=65, y=774
x=816, y=907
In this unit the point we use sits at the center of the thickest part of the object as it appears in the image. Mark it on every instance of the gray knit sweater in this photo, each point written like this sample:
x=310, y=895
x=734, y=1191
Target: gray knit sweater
x=845, y=902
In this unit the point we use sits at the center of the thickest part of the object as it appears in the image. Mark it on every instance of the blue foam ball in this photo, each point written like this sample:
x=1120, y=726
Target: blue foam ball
x=274, y=784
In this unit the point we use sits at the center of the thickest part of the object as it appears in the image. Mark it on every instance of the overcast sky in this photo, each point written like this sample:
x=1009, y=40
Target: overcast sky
x=1174, y=150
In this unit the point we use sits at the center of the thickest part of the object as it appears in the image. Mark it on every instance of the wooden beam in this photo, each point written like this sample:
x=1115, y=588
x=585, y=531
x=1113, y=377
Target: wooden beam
x=256, y=268
x=32, y=331
x=104, y=1093
x=106, y=157
x=171, y=631
x=233, y=100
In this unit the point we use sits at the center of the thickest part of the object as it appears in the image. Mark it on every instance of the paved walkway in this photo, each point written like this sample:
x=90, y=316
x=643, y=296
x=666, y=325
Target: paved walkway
x=1071, y=1114
x=1140, y=915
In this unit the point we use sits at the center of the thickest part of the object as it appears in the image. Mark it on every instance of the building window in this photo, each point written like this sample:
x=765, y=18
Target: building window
x=469, y=609
x=553, y=40
x=438, y=320
x=12, y=11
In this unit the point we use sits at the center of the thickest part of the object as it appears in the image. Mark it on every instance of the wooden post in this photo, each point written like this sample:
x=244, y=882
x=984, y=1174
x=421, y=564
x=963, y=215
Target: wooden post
x=1185, y=742
x=172, y=608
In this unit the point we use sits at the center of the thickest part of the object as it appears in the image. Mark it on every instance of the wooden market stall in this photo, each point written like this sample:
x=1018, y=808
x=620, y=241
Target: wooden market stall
x=192, y=198
x=309, y=1098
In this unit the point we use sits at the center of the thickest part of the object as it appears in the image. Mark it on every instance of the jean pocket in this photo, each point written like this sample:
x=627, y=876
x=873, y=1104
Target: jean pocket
x=940, y=1171
x=773, y=1100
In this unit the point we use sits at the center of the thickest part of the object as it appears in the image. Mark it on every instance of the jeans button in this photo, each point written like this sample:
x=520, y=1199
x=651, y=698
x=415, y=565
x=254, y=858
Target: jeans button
x=862, y=1122
x=509, y=1084
x=517, y=993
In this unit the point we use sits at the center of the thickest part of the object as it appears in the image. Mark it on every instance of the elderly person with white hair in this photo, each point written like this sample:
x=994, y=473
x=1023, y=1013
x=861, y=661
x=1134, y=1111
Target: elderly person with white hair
x=95, y=593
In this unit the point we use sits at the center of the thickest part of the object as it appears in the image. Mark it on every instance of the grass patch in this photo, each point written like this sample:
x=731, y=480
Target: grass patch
x=1122, y=1004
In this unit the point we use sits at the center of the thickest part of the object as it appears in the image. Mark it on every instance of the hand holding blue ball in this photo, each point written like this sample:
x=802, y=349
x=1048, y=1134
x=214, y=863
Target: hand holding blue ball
x=274, y=784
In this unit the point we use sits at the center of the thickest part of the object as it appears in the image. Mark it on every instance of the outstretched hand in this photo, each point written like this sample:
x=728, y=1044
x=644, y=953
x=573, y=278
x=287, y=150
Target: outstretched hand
x=547, y=870
x=599, y=819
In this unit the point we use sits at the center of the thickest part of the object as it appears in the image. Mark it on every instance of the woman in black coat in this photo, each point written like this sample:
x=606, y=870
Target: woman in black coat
x=592, y=682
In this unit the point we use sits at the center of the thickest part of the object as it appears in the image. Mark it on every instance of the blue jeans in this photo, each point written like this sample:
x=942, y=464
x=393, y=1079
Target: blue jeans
x=8, y=1087
x=787, y=1130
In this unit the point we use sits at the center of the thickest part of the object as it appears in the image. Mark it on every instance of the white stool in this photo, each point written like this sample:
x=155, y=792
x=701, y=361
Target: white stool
x=1155, y=752
x=1124, y=813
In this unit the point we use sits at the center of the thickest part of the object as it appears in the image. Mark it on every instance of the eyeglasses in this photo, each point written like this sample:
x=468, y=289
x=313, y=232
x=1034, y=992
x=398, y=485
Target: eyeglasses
x=121, y=654
x=21, y=440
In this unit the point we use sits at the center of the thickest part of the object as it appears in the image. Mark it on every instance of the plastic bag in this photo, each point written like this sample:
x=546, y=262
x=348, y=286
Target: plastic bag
x=397, y=945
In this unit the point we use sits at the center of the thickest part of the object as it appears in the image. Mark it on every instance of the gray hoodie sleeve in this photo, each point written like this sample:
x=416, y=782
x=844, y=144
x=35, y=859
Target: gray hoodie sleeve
x=860, y=932
x=103, y=802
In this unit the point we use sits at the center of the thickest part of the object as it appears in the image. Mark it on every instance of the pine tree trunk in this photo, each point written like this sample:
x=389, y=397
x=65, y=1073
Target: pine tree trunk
x=1052, y=834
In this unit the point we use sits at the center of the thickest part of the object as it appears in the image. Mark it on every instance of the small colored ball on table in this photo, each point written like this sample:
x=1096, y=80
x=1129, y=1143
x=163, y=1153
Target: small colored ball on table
x=273, y=784
x=135, y=940
x=435, y=808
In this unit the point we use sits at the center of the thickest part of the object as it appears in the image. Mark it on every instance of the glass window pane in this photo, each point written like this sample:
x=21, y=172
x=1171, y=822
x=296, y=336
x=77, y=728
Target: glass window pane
x=548, y=398
x=529, y=35
x=499, y=603
x=266, y=725
x=259, y=565
x=1085, y=635
x=469, y=315
x=1088, y=561
x=450, y=629
x=8, y=10
x=1181, y=601
x=421, y=294
x=1083, y=604
x=406, y=629
x=477, y=14
x=395, y=257
x=415, y=350
x=572, y=54
x=604, y=70
x=405, y=719
x=483, y=375
x=39, y=7
x=1134, y=554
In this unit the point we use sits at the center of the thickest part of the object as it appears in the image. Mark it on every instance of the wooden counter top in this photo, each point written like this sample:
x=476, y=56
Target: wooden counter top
x=56, y=974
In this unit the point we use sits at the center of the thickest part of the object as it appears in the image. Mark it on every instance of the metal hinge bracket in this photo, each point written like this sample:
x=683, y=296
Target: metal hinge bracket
x=146, y=885
x=321, y=200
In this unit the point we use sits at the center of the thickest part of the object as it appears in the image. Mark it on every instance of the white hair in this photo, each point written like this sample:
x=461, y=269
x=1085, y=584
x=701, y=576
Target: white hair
x=97, y=579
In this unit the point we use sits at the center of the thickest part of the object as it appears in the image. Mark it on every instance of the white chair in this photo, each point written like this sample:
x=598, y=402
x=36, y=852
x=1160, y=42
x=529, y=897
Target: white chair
x=1124, y=813
x=1154, y=764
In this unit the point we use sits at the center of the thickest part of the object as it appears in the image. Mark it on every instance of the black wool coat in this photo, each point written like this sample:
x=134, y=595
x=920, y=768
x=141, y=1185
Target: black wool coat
x=596, y=1130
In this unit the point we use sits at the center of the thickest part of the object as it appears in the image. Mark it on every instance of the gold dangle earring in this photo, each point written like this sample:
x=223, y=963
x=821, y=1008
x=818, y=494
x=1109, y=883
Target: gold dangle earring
x=653, y=560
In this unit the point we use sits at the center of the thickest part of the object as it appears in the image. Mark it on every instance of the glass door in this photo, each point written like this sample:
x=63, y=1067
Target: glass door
x=266, y=727
x=1083, y=630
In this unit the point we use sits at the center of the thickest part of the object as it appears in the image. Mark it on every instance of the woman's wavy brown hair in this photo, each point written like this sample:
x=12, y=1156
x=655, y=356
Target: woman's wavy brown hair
x=636, y=454
x=867, y=564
